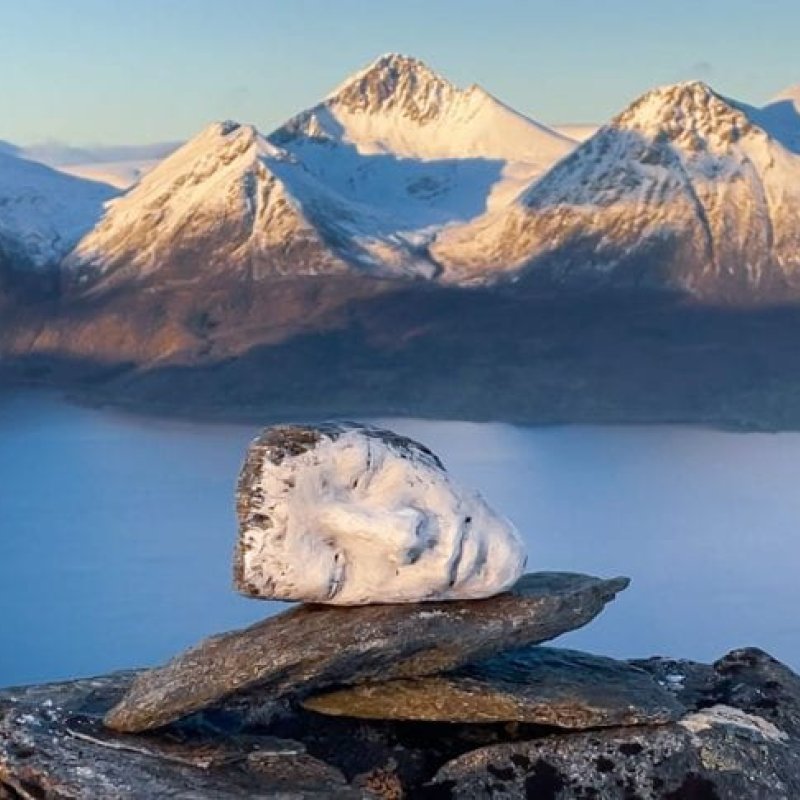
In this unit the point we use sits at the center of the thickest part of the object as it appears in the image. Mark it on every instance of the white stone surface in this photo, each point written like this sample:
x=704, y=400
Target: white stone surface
x=352, y=515
x=721, y=714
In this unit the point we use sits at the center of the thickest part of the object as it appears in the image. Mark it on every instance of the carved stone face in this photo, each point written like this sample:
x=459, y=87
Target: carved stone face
x=350, y=514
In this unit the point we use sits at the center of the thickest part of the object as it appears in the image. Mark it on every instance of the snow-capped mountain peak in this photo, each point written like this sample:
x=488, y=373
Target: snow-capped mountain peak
x=685, y=114
x=216, y=204
x=399, y=140
x=684, y=189
x=218, y=146
x=399, y=106
x=395, y=82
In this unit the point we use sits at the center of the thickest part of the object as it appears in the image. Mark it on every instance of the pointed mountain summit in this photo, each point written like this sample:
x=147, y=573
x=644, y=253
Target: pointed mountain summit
x=683, y=113
x=682, y=190
x=398, y=105
x=401, y=140
x=395, y=81
x=213, y=206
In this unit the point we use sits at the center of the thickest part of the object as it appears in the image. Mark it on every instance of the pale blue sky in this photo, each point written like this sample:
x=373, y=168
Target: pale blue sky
x=135, y=71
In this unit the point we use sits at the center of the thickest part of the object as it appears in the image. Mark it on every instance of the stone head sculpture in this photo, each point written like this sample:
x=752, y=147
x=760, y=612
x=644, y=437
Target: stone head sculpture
x=350, y=514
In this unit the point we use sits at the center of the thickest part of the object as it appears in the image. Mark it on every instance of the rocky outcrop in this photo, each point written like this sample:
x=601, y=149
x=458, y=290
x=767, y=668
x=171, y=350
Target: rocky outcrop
x=739, y=737
x=436, y=699
x=52, y=745
x=538, y=685
x=352, y=514
x=313, y=647
x=738, y=740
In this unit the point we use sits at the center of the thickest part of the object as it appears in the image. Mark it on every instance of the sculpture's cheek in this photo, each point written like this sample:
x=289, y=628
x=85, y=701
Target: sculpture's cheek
x=356, y=528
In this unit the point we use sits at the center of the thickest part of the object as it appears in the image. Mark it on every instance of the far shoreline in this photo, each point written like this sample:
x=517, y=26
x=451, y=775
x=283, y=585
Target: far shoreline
x=234, y=414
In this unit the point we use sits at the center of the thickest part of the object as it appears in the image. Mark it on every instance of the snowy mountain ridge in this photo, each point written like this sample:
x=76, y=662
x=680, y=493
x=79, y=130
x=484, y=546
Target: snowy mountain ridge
x=781, y=117
x=399, y=173
x=400, y=106
x=683, y=190
x=366, y=178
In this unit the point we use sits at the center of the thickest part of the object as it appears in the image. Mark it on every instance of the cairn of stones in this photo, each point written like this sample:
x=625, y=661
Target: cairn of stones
x=411, y=665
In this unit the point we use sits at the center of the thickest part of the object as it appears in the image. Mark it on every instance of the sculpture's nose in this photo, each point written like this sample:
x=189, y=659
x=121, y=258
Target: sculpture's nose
x=359, y=527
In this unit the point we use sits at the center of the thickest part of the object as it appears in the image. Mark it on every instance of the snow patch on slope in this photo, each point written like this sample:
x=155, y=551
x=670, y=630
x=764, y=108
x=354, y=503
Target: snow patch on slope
x=42, y=212
x=727, y=716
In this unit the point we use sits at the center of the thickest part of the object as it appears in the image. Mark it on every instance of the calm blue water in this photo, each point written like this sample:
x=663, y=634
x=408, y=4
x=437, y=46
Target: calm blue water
x=116, y=531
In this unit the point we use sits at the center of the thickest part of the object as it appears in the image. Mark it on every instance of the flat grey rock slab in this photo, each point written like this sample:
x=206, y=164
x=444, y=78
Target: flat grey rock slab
x=53, y=745
x=538, y=685
x=313, y=647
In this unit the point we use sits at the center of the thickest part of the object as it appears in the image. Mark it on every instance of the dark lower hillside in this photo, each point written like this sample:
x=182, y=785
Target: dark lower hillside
x=349, y=347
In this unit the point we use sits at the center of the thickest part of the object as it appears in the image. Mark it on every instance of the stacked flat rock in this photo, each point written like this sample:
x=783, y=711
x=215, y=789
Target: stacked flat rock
x=313, y=647
x=403, y=572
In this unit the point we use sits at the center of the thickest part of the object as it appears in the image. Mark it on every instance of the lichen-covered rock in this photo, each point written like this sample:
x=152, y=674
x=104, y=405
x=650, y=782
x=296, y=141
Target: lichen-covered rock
x=740, y=739
x=313, y=647
x=748, y=679
x=714, y=755
x=350, y=514
x=538, y=685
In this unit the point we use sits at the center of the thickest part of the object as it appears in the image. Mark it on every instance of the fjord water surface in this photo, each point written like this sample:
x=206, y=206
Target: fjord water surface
x=116, y=531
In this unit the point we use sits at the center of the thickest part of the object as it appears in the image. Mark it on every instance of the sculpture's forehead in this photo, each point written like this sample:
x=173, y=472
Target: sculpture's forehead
x=281, y=442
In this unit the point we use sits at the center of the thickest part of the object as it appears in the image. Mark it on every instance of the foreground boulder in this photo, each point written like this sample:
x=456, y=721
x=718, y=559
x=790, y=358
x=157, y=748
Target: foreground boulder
x=52, y=745
x=739, y=738
x=351, y=514
x=540, y=685
x=312, y=647
x=711, y=755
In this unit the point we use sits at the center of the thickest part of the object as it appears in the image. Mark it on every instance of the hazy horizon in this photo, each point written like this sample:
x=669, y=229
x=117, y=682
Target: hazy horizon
x=261, y=62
